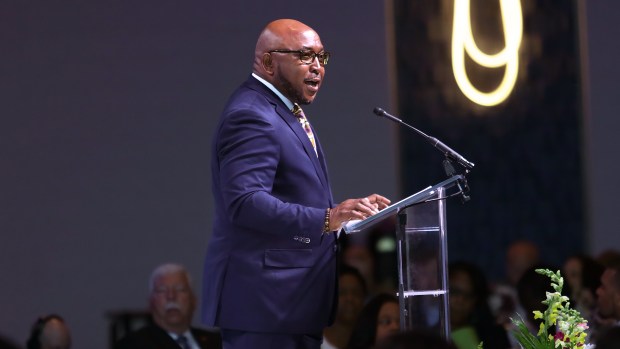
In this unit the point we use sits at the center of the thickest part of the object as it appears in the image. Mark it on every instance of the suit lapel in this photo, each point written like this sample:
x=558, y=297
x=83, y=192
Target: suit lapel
x=317, y=161
x=296, y=127
x=323, y=162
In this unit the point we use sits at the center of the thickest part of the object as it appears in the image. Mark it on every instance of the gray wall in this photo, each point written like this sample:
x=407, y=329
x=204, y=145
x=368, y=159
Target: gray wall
x=107, y=110
x=106, y=114
x=603, y=73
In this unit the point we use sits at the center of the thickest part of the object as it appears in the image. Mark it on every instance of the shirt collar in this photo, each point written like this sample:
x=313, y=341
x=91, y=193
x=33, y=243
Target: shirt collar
x=187, y=334
x=286, y=101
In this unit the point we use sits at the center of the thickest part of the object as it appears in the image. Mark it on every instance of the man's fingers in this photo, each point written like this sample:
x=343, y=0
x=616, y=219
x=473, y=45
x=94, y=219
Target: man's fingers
x=381, y=201
x=365, y=206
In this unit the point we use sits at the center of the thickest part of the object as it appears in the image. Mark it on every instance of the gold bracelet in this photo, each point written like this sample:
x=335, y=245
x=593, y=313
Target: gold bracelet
x=327, y=216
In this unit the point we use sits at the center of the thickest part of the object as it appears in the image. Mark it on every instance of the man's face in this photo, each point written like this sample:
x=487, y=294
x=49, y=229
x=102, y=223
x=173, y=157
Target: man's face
x=298, y=81
x=172, y=302
x=608, y=296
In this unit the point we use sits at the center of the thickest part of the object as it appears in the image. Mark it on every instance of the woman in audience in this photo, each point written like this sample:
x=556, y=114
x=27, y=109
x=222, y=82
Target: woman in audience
x=351, y=295
x=582, y=275
x=379, y=319
x=470, y=316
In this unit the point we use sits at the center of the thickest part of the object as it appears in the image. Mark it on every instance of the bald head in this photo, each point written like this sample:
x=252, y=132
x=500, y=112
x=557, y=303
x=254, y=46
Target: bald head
x=49, y=332
x=55, y=335
x=278, y=61
x=521, y=256
x=279, y=34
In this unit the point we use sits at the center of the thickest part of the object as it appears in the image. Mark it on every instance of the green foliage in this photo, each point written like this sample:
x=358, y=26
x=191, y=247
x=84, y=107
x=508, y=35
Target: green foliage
x=568, y=324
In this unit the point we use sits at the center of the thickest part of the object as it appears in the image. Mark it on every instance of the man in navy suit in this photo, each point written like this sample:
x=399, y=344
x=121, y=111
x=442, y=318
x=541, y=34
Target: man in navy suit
x=270, y=270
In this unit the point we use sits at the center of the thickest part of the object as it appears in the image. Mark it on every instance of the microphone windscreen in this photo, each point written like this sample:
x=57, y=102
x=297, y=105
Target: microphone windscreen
x=379, y=111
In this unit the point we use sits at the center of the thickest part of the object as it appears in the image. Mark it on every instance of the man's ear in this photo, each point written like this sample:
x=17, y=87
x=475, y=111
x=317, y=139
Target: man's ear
x=267, y=63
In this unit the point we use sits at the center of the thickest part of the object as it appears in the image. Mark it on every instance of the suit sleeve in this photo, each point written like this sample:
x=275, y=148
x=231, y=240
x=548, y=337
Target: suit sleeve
x=248, y=153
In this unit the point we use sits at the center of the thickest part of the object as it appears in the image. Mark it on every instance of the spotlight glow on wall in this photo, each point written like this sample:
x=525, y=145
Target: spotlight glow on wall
x=463, y=41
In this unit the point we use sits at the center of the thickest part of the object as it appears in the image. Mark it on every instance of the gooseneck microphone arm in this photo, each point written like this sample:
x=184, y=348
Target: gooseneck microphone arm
x=447, y=151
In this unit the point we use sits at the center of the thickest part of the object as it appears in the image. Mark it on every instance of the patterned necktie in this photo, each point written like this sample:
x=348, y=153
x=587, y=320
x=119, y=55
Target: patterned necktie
x=183, y=342
x=306, y=125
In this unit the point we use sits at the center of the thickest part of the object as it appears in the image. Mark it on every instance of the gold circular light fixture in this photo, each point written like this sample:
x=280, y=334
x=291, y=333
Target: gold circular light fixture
x=463, y=41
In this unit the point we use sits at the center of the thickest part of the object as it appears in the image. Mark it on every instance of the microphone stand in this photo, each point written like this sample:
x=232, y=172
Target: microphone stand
x=450, y=154
x=461, y=184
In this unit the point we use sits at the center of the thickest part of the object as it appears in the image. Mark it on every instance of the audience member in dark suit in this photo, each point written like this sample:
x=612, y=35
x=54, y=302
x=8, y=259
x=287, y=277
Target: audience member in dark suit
x=172, y=303
x=49, y=332
x=471, y=319
x=270, y=268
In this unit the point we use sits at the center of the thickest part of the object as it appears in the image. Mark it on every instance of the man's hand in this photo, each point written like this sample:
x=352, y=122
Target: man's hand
x=356, y=209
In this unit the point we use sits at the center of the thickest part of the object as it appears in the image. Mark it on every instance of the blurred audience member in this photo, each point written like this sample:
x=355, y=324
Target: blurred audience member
x=6, y=343
x=609, y=258
x=379, y=319
x=374, y=255
x=351, y=295
x=608, y=299
x=49, y=332
x=609, y=339
x=172, y=303
x=424, y=274
x=521, y=255
x=532, y=289
x=382, y=242
x=471, y=319
x=359, y=256
x=416, y=340
x=582, y=275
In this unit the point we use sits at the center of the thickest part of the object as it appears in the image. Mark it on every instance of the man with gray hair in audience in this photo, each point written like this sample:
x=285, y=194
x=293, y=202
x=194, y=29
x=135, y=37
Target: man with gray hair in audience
x=172, y=303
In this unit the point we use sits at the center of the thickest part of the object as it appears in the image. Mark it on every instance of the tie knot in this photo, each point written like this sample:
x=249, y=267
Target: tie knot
x=297, y=111
x=183, y=342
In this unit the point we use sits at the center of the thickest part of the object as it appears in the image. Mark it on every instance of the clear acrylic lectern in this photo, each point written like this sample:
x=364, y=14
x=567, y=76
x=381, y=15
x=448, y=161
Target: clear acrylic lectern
x=422, y=256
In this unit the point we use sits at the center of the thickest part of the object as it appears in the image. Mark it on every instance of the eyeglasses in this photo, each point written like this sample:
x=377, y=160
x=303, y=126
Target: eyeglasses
x=307, y=57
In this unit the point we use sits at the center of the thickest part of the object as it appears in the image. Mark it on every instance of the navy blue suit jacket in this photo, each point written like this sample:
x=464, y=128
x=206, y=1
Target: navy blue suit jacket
x=269, y=267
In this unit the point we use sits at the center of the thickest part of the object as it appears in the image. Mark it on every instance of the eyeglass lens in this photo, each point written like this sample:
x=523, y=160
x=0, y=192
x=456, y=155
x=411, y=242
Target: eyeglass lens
x=308, y=57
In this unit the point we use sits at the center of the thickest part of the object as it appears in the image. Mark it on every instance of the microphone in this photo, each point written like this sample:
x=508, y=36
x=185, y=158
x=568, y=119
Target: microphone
x=448, y=152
